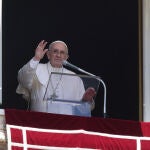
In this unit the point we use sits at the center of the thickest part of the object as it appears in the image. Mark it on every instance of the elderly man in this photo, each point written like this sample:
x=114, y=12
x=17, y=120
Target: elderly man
x=35, y=87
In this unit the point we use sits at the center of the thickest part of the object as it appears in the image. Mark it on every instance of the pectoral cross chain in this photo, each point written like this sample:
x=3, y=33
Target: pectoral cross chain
x=54, y=96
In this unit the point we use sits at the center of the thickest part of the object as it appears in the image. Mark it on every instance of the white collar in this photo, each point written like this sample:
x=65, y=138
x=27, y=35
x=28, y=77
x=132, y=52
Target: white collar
x=53, y=69
x=44, y=70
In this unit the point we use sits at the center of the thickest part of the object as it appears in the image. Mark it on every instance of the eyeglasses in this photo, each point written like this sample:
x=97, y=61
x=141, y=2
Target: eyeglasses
x=57, y=52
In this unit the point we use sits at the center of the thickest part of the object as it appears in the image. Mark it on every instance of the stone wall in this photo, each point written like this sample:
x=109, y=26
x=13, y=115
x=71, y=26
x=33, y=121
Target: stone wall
x=3, y=142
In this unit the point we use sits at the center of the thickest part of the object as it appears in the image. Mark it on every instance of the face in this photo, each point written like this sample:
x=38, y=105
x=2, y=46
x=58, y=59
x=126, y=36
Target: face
x=57, y=54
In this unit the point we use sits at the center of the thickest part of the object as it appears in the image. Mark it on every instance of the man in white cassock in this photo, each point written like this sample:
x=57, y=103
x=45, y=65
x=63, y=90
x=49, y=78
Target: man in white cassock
x=40, y=87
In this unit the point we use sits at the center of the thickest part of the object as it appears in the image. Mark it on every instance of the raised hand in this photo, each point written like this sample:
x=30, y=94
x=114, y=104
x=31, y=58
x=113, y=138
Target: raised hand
x=40, y=50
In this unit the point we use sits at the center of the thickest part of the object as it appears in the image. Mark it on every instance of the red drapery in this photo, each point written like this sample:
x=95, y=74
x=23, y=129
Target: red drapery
x=27, y=130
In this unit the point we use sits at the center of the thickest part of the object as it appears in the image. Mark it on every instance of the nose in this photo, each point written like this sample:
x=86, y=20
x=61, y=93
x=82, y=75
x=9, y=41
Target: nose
x=58, y=53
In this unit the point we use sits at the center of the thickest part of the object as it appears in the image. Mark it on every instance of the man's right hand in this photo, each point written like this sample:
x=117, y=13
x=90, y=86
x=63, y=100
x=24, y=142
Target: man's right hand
x=40, y=50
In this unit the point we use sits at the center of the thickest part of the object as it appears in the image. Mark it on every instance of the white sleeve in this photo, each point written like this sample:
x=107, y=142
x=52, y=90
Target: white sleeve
x=25, y=78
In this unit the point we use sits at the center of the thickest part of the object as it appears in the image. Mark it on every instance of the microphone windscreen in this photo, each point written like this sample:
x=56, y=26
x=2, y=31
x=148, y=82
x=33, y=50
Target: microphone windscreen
x=64, y=62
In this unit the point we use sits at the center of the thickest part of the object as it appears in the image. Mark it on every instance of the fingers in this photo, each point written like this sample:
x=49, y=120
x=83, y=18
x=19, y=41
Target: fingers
x=89, y=94
x=40, y=50
x=91, y=91
x=42, y=45
x=45, y=50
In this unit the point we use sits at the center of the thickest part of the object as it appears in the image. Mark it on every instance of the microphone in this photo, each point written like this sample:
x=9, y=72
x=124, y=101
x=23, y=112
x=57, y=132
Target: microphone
x=66, y=63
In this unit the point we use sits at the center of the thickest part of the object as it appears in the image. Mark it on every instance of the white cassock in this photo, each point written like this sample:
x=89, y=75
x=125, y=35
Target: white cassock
x=38, y=85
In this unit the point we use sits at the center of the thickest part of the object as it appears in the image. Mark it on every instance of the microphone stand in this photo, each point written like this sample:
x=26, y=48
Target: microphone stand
x=104, y=86
x=66, y=63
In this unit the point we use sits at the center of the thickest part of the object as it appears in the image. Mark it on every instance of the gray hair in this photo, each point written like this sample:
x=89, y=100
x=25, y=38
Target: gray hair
x=58, y=41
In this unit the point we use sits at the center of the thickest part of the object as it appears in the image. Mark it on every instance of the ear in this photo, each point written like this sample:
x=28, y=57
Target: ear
x=67, y=57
